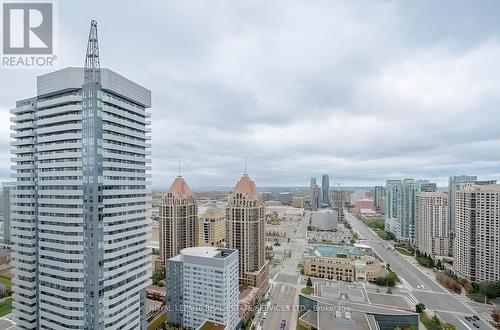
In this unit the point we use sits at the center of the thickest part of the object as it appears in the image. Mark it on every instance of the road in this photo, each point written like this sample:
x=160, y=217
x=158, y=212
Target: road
x=433, y=296
x=286, y=285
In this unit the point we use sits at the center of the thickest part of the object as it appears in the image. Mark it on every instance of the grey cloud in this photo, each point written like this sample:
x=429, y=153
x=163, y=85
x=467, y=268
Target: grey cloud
x=363, y=90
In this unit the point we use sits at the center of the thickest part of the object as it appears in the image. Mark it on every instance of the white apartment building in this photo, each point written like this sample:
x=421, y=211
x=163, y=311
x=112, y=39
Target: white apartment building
x=431, y=223
x=80, y=211
x=477, y=233
x=203, y=284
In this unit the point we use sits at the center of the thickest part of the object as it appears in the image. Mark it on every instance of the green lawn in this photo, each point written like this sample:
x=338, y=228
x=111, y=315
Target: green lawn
x=404, y=251
x=299, y=327
x=308, y=291
x=6, y=307
x=6, y=281
x=374, y=223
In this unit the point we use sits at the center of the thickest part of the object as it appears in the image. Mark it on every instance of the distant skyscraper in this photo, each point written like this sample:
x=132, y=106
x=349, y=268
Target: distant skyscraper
x=431, y=223
x=425, y=185
x=379, y=198
x=178, y=219
x=455, y=184
x=311, y=186
x=80, y=214
x=8, y=189
x=202, y=284
x=325, y=191
x=246, y=232
x=477, y=232
x=316, y=198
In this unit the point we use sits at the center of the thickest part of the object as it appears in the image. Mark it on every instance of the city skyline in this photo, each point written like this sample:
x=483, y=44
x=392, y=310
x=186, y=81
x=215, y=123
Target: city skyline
x=297, y=160
x=230, y=81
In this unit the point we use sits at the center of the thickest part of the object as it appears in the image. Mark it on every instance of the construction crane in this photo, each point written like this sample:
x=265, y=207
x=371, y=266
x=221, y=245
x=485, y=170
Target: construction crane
x=92, y=66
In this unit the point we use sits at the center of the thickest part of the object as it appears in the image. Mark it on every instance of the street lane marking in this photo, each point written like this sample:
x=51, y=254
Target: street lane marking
x=465, y=324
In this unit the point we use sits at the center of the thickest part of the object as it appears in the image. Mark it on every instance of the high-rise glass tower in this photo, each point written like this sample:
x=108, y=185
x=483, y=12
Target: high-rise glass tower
x=379, y=198
x=325, y=190
x=311, y=186
x=81, y=209
x=400, y=208
x=392, y=207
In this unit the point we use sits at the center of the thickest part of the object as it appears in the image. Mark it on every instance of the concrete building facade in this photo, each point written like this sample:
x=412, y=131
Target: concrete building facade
x=202, y=284
x=431, y=223
x=246, y=232
x=316, y=199
x=80, y=212
x=364, y=204
x=455, y=184
x=342, y=263
x=379, y=195
x=325, y=219
x=7, y=191
x=212, y=228
x=477, y=233
x=178, y=219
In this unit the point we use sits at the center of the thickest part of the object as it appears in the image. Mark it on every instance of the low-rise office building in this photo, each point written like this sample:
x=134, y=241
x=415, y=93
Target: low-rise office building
x=340, y=306
x=348, y=263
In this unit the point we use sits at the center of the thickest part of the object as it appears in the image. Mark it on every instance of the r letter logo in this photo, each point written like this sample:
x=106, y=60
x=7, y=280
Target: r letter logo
x=28, y=29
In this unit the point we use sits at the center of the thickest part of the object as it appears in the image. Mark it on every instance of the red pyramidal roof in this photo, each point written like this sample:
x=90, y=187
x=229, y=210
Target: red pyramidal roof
x=179, y=187
x=246, y=186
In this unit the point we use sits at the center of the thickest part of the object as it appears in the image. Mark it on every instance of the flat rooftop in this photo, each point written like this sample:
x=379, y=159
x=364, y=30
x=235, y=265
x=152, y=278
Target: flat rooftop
x=208, y=252
x=346, y=306
x=335, y=251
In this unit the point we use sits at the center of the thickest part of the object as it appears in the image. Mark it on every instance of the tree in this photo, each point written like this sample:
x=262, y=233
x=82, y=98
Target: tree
x=419, y=308
x=158, y=276
x=496, y=316
x=309, y=282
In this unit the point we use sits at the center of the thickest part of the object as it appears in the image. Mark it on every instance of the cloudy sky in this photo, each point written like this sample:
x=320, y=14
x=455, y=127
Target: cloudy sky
x=362, y=90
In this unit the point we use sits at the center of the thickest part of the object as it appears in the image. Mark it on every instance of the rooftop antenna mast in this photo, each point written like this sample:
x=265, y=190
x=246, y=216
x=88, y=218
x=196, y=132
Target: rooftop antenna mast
x=179, y=167
x=92, y=66
x=245, y=167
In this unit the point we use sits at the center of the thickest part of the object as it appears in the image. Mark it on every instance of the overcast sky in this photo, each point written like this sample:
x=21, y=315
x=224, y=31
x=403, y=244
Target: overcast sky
x=362, y=90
